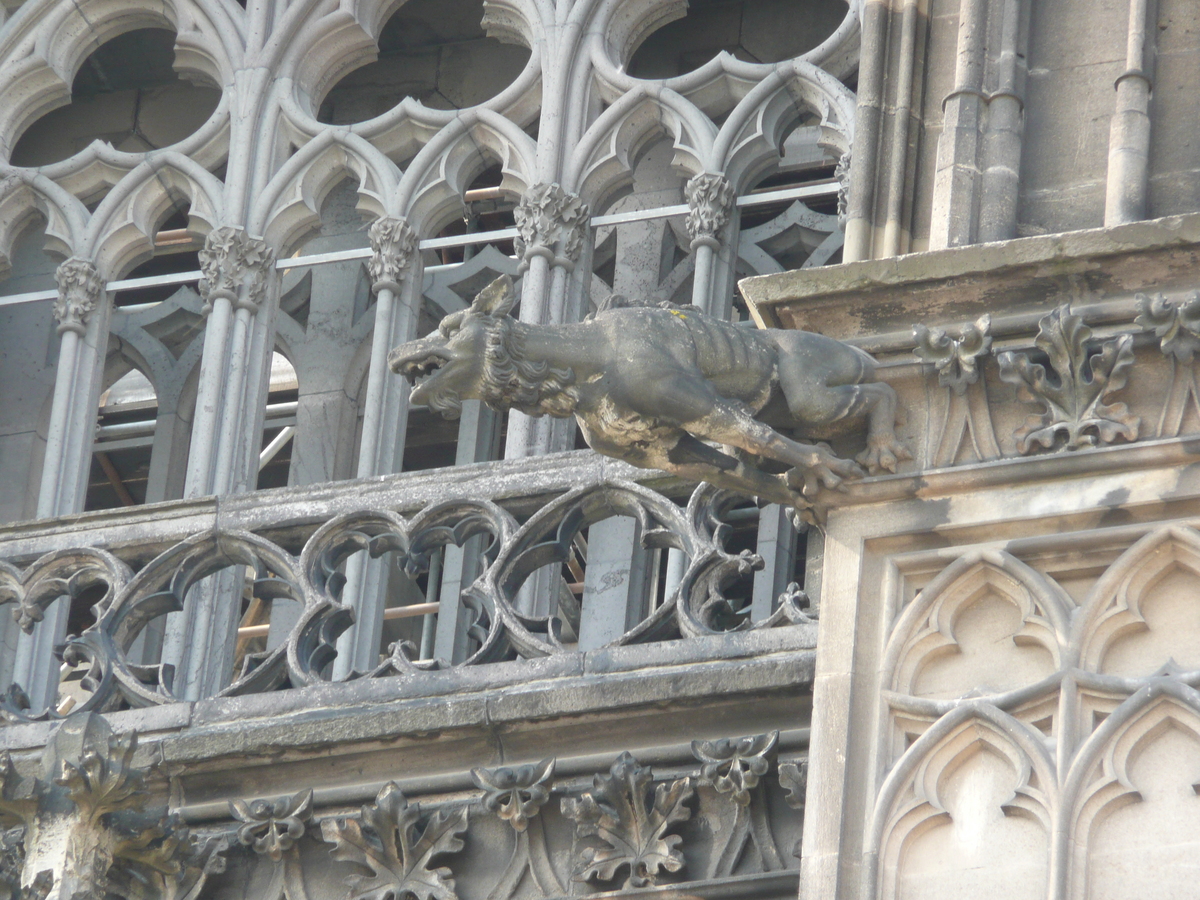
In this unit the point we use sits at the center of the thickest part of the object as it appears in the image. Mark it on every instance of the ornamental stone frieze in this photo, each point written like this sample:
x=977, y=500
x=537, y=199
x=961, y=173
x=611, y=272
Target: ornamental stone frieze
x=79, y=290
x=710, y=198
x=624, y=826
x=393, y=243
x=549, y=217
x=234, y=266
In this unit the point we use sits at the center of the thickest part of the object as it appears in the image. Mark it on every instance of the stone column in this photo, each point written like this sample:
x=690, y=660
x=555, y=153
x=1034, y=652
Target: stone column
x=381, y=449
x=235, y=269
x=552, y=225
x=83, y=325
x=238, y=284
x=711, y=201
x=1128, y=183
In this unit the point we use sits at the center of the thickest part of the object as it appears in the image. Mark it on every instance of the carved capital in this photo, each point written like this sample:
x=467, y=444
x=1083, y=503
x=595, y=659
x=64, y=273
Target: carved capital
x=393, y=243
x=79, y=288
x=710, y=199
x=547, y=216
x=234, y=265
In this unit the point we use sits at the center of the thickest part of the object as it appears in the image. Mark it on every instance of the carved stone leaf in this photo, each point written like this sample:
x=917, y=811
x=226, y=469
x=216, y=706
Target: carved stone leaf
x=1075, y=394
x=615, y=811
x=385, y=838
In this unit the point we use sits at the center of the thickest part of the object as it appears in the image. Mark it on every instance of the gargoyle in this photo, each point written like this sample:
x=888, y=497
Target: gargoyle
x=657, y=387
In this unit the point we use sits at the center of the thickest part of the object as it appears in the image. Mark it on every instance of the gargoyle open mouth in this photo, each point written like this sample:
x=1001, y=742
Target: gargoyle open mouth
x=419, y=368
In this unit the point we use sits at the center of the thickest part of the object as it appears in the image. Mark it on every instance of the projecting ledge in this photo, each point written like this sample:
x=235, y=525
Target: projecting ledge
x=874, y=297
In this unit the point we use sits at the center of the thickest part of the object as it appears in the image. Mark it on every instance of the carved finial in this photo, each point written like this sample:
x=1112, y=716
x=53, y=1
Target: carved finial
x=546, y=215
x=232, y=259
x=710, y=198
x=79, y=288
x=72, y=848
x=516, y=794
x=955, y=358
x=393, y=243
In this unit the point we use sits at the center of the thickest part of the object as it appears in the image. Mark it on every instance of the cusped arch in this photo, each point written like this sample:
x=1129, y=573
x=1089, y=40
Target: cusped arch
x=289, y=209
x=925, y=631
x=911, y=799
x=602, y=163
x=26, y=198
x=750, y=138
x=431, y=190
x=1099, y=783
x=1113, y=610
x=121, y=232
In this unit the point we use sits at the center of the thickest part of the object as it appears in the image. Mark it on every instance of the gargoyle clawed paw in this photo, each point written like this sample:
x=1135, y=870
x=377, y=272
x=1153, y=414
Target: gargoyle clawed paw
x=883, y=453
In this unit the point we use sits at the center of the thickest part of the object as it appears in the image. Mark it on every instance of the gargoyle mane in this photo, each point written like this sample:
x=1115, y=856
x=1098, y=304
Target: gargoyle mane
x=511, y=380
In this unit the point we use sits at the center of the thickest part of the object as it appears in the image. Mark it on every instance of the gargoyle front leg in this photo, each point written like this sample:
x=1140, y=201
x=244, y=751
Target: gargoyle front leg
x=731, y=423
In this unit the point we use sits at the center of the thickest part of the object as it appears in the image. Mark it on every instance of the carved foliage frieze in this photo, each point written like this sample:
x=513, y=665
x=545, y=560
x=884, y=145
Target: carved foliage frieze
x=633, y=831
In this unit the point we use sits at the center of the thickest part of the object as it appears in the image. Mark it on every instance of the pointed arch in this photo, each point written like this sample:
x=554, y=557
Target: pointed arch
x=24, y=196
x=912, y=798
x=603, y=160
x=1099, y=781
x=1113, y=610
x=926, y=630
x=121, y=231
x=432, y=187
x=289, y=207
x=750, y=138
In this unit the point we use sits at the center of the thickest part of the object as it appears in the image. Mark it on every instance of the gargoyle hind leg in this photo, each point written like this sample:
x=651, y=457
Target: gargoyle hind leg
x=731, y=423
x=819, y=404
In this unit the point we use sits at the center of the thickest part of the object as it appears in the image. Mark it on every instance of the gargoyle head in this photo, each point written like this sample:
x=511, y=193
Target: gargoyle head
x=479, y=354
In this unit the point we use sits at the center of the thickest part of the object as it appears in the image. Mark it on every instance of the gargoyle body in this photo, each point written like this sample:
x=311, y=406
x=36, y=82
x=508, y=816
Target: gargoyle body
x=657, y=387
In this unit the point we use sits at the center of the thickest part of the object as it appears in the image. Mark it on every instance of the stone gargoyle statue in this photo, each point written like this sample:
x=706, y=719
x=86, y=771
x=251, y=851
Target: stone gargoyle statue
x=659, y=387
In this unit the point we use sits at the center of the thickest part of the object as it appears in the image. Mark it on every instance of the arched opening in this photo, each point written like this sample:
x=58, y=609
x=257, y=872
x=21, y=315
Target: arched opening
x=127, y=94
x=434, y=51
x=758, y=32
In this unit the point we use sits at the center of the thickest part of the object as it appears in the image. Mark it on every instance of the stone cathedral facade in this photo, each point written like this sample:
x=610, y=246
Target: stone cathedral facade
x=267, y=630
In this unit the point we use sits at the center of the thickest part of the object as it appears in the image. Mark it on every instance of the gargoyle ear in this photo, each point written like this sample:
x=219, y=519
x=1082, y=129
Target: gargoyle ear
x=496, y=299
